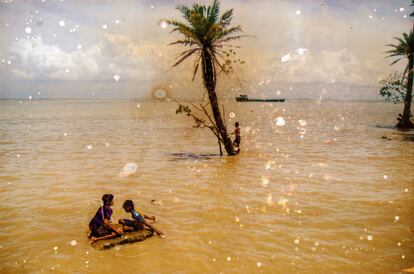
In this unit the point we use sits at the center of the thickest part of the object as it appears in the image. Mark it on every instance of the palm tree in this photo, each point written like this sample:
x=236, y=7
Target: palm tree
x=405, y=48
x=206, y=33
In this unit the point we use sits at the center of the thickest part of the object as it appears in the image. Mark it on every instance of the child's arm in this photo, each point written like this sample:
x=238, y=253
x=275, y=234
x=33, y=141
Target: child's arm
x=154, y=229
x=149, y=217
x=116, y=229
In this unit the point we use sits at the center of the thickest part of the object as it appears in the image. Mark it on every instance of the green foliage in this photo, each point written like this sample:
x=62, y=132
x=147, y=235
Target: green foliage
x=206, y=30
x=198, y=122
x=394, y=88
x=412, y=4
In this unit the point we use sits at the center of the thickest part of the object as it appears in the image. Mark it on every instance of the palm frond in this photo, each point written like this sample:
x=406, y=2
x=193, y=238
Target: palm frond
x=186, y=12
x=231, y=38
x=213, y=12
x=396, y=61
x=404, y=73
x=185, y=56
x=228, y=31
x=196, y=65
x=187, y=42
x=226, y=18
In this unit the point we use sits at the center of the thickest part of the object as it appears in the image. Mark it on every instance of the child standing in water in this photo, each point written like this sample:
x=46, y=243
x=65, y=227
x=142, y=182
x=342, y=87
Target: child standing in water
x=138, y=221
x=100, y=225
x=237, y=140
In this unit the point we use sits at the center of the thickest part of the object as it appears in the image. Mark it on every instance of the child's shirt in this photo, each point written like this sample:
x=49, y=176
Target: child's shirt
x=137, y=215
x=104, y=212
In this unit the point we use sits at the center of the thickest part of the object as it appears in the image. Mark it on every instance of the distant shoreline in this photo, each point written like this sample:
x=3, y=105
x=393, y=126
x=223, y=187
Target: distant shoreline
x=149, y=100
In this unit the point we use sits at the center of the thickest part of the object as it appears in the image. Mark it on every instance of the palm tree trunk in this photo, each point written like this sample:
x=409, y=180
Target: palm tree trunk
x=405, y=121
x=209, y=79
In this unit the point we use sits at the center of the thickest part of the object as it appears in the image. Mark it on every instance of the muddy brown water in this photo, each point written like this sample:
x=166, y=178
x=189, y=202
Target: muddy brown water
x=325, y=193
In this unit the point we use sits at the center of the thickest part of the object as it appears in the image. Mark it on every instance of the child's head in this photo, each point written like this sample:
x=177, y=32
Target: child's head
x=128, y=205
x=236, y=124
x=108, y=199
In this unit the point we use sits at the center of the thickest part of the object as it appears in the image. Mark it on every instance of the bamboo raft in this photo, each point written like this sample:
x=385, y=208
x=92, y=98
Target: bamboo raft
x=127, y=238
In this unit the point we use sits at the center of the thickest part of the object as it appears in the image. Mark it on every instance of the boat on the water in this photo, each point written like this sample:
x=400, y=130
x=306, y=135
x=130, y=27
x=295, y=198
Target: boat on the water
x=245, y=98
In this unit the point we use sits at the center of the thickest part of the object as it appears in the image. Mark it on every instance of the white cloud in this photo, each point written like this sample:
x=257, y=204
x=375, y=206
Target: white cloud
x=116, y=54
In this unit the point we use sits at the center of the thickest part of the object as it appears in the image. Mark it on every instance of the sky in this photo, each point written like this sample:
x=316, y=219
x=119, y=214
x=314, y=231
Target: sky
x=118, y=49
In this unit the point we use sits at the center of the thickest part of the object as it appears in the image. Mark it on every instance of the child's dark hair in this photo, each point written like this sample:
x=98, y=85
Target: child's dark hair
x=237, y=124
x=128, y=204
x=107, y=199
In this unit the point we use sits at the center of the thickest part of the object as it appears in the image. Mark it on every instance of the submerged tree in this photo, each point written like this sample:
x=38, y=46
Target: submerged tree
x=405, y=49
x=206, y=33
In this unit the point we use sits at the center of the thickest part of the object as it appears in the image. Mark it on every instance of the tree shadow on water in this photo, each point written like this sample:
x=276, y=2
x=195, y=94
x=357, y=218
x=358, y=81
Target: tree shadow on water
x=399, y=134
x=184, y=156
x=409, y=137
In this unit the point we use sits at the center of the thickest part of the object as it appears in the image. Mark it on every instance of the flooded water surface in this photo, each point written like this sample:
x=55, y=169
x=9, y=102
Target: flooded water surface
x=319, y=187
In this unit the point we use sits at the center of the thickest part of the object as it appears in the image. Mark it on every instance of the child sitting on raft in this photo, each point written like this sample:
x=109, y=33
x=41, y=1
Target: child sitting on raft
x=138, y=221
x=100, y=225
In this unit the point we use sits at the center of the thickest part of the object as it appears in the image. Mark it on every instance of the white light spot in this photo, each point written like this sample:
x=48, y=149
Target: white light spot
x=385, y=177
x=237, y=219
x=89, y=147
x=303, y=123
x=73, y=242
x=61, y=23
x=370, y=17
x=301, y=51
x=107, y=144
x=79, y=46
x=55, y=248
x=397, y=218
x=30, y=97
x=28, y=30
x=265, y=181
x=117, y=77
x=285, y=58
x=229, y=259
x=163, y=24
x=129, y=168
x=104, y=26
x=297, y=241
x=8, y=62
x=117, y=21
x=232, y=114
x=269, y=199
x=280, y=121
x=403, y=256
x=259, y=264
x=298, y=12
x=138, y=105
x=65, y=134
x=67, y=70
x=402, y=9
x=370, y=238
x=406, y=190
